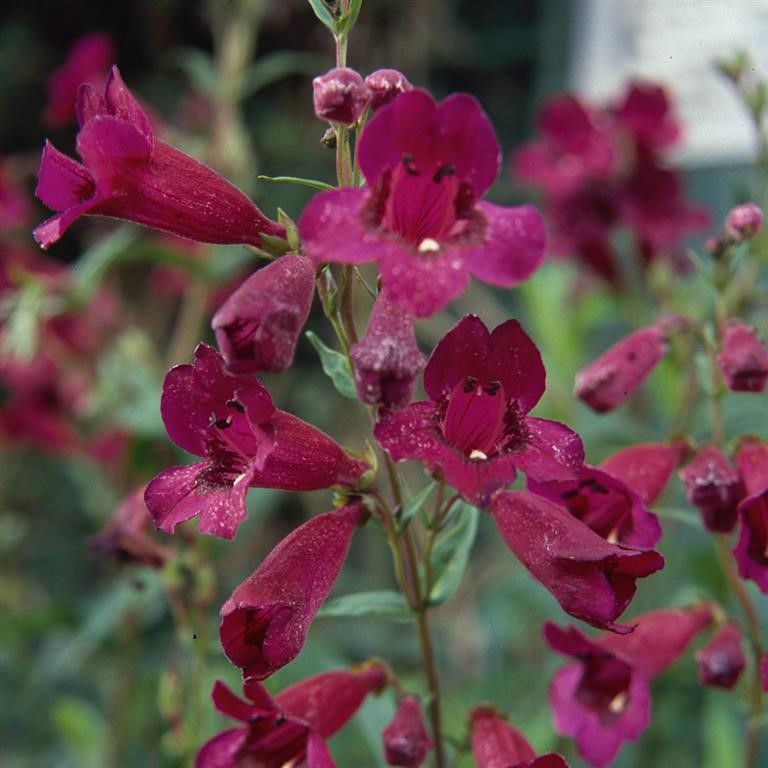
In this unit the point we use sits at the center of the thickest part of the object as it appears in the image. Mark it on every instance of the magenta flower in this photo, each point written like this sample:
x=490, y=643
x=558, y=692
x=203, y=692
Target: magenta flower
x=385, y=86
x=751, y=551
x=646, y=114
x=130, y=174
x=713, y=486
x=406, y=741
x=743, y=222
x=266, y=620
x=603, y=699
x=292, y=727
x=258, y=326
x=232, y=423
x=591, y=578
x=340, y=95
x=497, y=744
x=427, y=166
x=721, y=661
x=387, y=359
x=744, y=359
x=475, y=429
x=610, y=379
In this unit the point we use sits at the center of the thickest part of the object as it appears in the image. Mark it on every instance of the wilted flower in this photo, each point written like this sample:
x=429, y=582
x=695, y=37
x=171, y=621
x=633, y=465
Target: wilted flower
x=231, y=422
x=340, y=95
x=386, y=85
x=130, y=174
x=427, y=166
x=475, y=429
x=258, y=325
x=406, y=741
x=721, y=661
x=266, y=620
x=744, y=359
x=713, y=486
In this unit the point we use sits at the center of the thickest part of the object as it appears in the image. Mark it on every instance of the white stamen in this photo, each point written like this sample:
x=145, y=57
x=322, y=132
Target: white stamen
x=477, y=454
x=618, y=702
x=428, y=245
x=613, y=537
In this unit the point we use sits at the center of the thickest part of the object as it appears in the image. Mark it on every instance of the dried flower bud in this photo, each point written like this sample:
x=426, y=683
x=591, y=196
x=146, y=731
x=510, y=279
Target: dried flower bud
x=386, y=85
x=406, y=741
x=721, y=661
x=714, y=488
x=340, y=95
x=744, y=359
x=743, y=222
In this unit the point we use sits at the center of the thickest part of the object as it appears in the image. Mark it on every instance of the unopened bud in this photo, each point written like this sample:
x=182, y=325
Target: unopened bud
x=340, y=96
x=743, y=222
x=721, y=661
x=406, y=741
x=386, y=85
x=744, y=359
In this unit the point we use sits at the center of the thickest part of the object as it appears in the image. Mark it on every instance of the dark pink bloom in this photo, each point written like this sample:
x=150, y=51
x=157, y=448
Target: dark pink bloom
x=292, y=727
x=406, y=741
x=258, y=326
x=721, y=661
x=744, y=359
x=646, y=113
x=592, y=579
x=385, y=86
x=427, y=166
x=603, y=699
x=610, y=379
x=88, y=61
x=743, y=222
x=266, y=620
x=387, y=360
x=497, y=744
x=607, y=505
x=475, y=429
x=751, y=551
x=14, y=203
x=764, y=671
x=713, y=486
x=130, y=174
x=340, y=95
x=231, y=422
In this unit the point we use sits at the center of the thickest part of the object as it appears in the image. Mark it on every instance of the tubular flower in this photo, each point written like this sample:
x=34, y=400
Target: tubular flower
x=406, y=741
x=751, y=551
x=292, y=727
x=604, y=698
x=497, y=744
x=475, y=428
x=265, y=622
x=721, y=661
x=130, y=174
x=258, y=326
x=427, y=166
x=591, y=578
x=231, y=422
x=744, y=359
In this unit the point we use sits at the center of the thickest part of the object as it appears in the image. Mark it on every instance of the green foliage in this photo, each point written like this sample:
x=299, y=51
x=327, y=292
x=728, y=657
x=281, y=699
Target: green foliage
x=335, y=365
x=451, y=553
x=383, y=603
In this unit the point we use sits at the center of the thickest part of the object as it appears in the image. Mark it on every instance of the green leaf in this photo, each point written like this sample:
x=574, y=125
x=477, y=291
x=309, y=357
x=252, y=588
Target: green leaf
x=345, y=23
x=91, y=266
x=414, y=505
x=385, y=603
x=324, y=14
x=199, y=68
x=83, y=730
x=451, y=554
x=23, y=313
x=314, y=183
x=275, y=66
x=336, y=367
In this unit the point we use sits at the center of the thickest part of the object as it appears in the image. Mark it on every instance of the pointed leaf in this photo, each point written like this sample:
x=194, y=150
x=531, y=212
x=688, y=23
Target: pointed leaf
x=451, y=554
x=336, y=367
x=314, y=183
x=385, y=603
x=323, y=13
x=414, y=505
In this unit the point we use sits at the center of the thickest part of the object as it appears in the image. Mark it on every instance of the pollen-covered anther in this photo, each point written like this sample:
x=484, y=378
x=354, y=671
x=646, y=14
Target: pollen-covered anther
x=477, y=454
x=429, y=245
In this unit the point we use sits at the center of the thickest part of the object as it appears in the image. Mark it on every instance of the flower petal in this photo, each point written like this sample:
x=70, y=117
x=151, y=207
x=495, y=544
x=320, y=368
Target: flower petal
x=552, y=451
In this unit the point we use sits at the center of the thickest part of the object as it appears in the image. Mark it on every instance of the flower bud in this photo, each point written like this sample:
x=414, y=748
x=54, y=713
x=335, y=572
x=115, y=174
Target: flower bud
x=406, y=741
x=340, y=95
x=744, y=359
x=721, y=661
x=743, y=222
x=714, y=488
x=386, y=85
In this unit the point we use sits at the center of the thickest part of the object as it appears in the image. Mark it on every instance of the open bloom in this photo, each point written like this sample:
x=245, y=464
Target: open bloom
x=751, y=551
x=475, y=428
x=265, y=622
x=128, y=173
x=406, y=741
x=603, y=698
x=292, y=727
x=427, y=166
x=244, y=440
x=592, y=579
x=497, y=744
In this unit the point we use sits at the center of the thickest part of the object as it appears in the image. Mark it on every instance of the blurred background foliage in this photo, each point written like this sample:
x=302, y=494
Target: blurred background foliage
x=94, y=670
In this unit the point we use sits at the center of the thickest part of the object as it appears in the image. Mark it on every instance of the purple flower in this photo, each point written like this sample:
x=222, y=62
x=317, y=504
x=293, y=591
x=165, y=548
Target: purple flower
x=292, y=727
x=751, y=551
x=130, y=174
x=603, y=699
x=713, y=486
x=385, y=86
x=387, y=359
x=244, y=440
x=258, y=325
x=406, y=741
x=427, y=166
x=497, y=744
x=265, y=622
x=475, y=429
x=744, y=359
x=721, y=661
x=591, y=578
x=340, y=95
